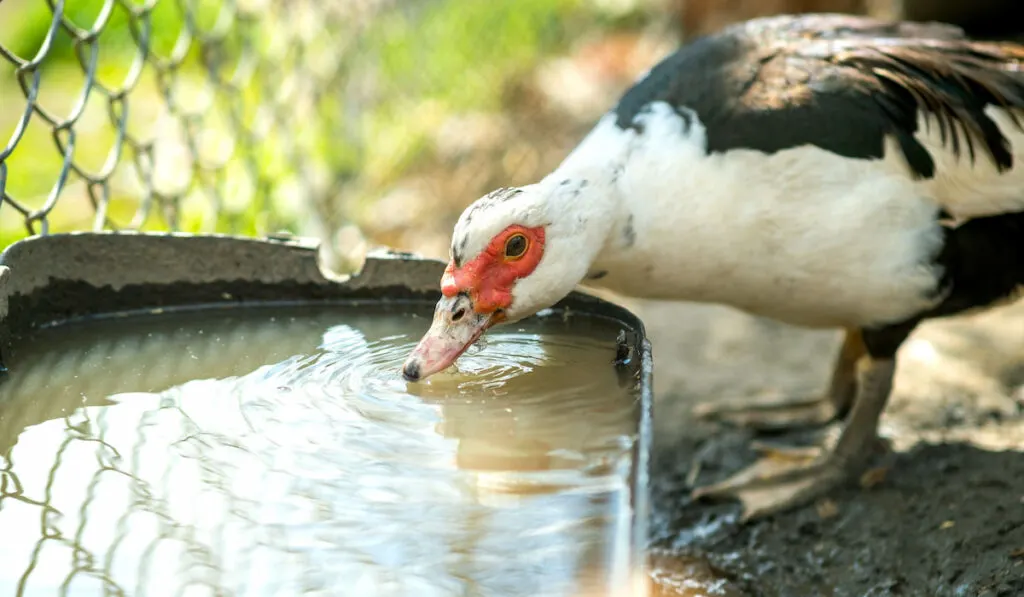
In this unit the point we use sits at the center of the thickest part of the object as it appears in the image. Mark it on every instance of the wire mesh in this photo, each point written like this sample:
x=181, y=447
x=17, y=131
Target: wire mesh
x=174, y=114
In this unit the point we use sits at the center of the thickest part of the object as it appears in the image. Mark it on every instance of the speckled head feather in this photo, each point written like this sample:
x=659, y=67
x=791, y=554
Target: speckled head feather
x=461, y=234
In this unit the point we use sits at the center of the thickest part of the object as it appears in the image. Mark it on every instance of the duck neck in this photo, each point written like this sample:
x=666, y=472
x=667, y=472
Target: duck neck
x=585, y=198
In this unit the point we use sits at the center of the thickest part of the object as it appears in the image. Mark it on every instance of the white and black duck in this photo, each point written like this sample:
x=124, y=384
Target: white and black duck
x=822, y=170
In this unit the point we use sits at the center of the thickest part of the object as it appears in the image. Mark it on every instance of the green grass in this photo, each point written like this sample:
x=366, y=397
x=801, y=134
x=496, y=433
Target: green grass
x=458, y=50
x=455, y=56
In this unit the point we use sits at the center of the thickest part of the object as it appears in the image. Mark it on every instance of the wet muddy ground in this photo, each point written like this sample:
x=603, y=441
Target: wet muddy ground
x=945, y=517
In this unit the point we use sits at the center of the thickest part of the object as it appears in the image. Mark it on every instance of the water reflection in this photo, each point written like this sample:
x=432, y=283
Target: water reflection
x=252, y=454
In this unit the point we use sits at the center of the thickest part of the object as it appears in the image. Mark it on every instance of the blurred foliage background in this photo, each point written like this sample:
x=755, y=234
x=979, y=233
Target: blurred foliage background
x=362, y=122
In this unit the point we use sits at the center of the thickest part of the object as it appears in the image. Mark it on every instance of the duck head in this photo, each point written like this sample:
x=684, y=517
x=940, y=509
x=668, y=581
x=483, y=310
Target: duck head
x=514, y=252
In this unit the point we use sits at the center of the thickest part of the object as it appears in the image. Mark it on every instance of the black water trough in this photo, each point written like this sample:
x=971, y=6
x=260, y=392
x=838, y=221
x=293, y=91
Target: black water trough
x=58, y=280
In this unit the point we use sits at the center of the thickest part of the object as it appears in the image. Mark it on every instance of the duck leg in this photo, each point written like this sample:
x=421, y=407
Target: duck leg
x=783, y=479
x=788, y=414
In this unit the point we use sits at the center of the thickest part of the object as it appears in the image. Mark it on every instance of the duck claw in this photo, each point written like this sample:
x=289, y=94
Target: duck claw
x=777, y=482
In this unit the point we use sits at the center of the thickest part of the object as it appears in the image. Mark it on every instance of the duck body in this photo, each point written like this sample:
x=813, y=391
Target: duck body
x=802, y=236
x=750, y=191
x=820, y=170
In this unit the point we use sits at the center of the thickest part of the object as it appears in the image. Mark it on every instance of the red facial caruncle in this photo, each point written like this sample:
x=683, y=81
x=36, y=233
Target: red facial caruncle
x=488, y=278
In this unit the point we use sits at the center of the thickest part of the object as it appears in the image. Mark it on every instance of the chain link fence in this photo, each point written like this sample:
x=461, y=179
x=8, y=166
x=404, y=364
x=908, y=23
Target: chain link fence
x=180, y=115
x=260, y=116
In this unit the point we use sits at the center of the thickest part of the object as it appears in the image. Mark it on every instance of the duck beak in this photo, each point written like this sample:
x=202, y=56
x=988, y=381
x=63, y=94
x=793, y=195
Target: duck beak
x=455, y=328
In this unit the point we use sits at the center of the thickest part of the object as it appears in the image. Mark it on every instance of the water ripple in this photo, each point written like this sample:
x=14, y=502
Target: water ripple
x=293, y=455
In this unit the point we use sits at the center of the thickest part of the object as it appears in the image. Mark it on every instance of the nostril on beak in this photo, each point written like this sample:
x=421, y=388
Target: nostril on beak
x=411, y=372
x=458, y=314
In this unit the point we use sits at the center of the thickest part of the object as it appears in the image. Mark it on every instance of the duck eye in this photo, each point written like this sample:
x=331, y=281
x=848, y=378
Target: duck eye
x=515, y=246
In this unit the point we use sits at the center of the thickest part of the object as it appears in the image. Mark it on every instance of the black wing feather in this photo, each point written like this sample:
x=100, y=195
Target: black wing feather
x=842, y=83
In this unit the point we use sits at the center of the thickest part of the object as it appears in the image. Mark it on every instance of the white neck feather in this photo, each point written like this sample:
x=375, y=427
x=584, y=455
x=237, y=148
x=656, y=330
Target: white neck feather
x=585, y=196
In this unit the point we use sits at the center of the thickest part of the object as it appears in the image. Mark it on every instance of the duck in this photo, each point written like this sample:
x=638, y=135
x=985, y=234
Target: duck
x=826, y=171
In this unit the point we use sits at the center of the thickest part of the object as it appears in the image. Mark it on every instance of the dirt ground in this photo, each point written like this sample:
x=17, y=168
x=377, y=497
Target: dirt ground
x=946, y=520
